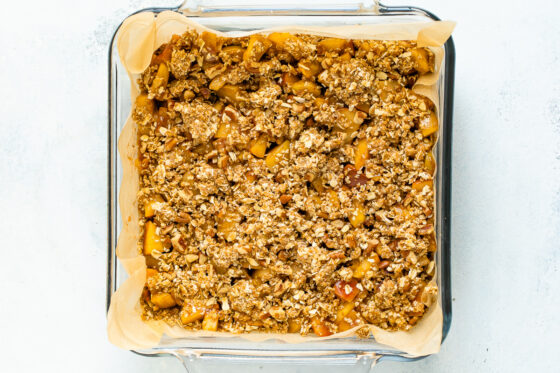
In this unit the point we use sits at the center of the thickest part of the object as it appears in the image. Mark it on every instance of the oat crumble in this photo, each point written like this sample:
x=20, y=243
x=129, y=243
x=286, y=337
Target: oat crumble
x=286, y=183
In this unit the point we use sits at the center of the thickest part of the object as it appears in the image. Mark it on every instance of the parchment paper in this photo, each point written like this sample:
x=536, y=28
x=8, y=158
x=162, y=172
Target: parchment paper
x=139, y=36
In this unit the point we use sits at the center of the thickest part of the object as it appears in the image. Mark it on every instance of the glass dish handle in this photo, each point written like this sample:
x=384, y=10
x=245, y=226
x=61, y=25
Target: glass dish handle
x=197, y=362
x=207, y=7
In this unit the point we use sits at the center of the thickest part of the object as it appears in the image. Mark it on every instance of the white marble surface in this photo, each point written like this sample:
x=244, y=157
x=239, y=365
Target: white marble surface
x=506, y=201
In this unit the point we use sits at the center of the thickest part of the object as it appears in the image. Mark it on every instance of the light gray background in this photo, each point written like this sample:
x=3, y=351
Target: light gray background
x=53, y=180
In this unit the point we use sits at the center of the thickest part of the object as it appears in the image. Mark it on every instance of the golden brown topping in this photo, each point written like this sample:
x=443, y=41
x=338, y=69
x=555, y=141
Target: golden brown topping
x=286, y=183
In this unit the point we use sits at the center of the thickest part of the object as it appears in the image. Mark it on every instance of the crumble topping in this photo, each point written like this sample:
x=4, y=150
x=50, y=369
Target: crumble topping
x=286, y=183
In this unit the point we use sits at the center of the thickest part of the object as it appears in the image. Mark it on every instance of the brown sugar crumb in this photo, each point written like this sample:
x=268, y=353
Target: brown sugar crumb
x=286, y=184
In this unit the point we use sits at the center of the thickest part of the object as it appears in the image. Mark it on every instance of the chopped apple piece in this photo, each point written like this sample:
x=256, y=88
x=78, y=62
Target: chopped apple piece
x=150, y=272
x=294, y=326
x=280, y=39
x=305, y=86
x=346, y=290
x=361, y=154
x=363, y=107
x=257, y=47
x=288, y=43
x=429, y=124
x=258, y=147
x=343, y=326
x=287, y=80
x=151, y=239
x=218, y=82
x=430, y=163
x=432, y=247
x=210, y=321
x=419, y=185
x=319, y=101
x=350, y=122
x=162, y=117
x=361, y=268
x=277, y=154
x=229, y=92
x=420, y=57
x=344, y=311
x=285, y=198
x=357, y=215
x=234, y=52
x=345, y=57
x=332, y=45
x=164, y=56
x=149, y=209
x=250, y=177
x=320, y=327
x=227, y=222
x=309, y=69
x=211, y=42
x=191, y=313
x=162, y=76
x=333, y=199
x=146, y=294
x=351, y=320
x=352, y=119
x=224, y=129
x=262, y=274
x=402, y=213
x=318, y=184
x=219, y=106
x=143, y=103
x=163, y=300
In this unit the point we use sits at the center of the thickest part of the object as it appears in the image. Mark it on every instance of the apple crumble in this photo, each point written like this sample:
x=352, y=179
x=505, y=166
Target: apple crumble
x=286, y=183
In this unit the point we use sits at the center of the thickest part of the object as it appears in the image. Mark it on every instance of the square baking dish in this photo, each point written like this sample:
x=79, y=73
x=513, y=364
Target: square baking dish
x=226, y=16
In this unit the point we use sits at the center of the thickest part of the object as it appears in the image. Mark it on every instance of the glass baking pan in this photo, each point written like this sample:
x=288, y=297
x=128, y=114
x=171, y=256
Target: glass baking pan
x=225, y=15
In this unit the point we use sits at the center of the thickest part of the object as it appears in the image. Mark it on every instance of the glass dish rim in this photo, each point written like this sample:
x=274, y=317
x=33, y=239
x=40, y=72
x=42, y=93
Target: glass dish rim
x=444, y=168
